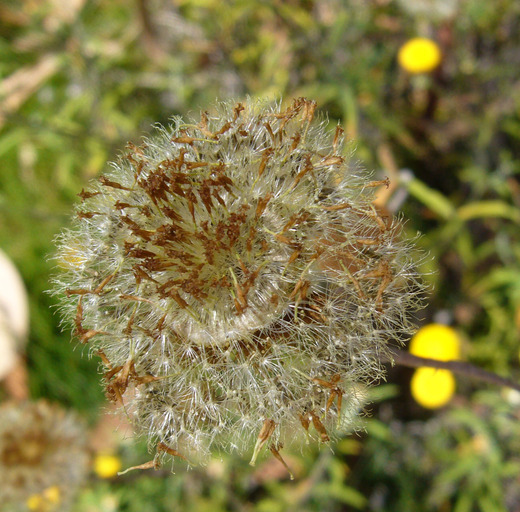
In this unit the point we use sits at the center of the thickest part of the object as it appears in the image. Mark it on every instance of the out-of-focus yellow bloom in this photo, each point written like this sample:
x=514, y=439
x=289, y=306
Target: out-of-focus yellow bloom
x=35, y=502
x=52, y=494
x=432, y=388
x=419, y=55
x=436, y=341
x=106, y=466
x=46, y=501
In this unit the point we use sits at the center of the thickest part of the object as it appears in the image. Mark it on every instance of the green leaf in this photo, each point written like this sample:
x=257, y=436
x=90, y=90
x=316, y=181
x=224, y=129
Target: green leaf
x=488, y=209
x=431, y=198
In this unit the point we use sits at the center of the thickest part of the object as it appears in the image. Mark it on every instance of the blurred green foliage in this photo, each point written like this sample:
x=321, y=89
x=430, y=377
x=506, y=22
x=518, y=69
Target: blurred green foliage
x=78, y=79
x=467, y=455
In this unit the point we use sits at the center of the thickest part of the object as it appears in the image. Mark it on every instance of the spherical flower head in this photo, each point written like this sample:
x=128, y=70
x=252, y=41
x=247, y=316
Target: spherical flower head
x=235, y=272
x=432, y=388
x=419, y=55
x=436, y=341
x=43, y=456
x=106, y=465
x=46, y=501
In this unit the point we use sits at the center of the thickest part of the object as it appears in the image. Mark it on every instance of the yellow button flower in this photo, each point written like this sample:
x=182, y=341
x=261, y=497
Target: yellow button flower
x=419, y=55
x=107, y=466
x=52, y=494
x=436, y=341
x=35, y=502
x=432, y=388
x=47, y=501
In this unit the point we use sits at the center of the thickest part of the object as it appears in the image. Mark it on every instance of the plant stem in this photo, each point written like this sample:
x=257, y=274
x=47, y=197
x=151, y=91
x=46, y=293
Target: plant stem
x=402, y=358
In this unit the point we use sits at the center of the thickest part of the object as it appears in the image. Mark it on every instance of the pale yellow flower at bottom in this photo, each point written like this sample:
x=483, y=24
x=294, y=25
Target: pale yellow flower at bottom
x=107, y=466
x=34, y=502
x=52, y=494
x=46, y=501
x=432, y=388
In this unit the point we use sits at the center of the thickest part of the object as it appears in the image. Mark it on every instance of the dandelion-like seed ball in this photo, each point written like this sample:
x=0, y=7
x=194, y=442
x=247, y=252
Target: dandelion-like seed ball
x=234, y=271
x=43, y=456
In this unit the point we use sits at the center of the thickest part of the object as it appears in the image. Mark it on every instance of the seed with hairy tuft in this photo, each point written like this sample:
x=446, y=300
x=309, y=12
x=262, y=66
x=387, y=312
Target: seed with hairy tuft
x=235, y=272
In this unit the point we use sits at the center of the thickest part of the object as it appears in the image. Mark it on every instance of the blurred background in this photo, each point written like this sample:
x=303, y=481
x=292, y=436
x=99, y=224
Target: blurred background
x=429, y=90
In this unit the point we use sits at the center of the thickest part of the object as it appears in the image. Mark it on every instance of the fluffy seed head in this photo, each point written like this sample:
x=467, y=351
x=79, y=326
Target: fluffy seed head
x=234, y=270
x=42, y=452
